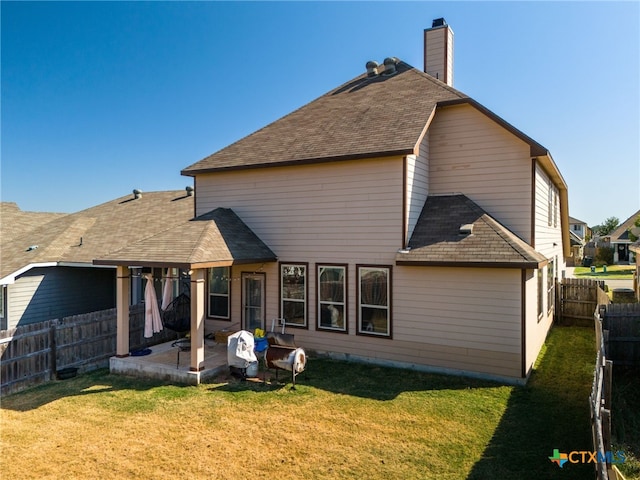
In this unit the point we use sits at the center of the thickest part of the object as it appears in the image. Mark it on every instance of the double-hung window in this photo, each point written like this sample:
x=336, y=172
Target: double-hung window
x=3, y=322
x=550, y=285
x=219, y=286
x=293, y=294
x=540, y=294
x=374, y=300
x=332, y=297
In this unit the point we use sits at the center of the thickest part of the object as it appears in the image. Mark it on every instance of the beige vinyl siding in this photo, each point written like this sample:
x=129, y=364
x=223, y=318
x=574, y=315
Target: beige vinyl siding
x=536, y=328
x=471, y=154
x=417, y=184
x=547, y=235
x=450, y=53
x=439, y=54
x=461, y=316
x=348, y=211
x=454, y=319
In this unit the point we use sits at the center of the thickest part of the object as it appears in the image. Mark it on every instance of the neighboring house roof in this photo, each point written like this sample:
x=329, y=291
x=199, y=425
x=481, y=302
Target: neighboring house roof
x=622, y=232
x=363, y=118
x=575, y=239
x=15, y=222
x=576, y=221
x=80, y=237
x=217, y=238
x=437, y=239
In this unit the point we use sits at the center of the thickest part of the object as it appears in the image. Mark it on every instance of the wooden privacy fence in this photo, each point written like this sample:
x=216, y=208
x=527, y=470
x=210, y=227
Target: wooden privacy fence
x=622, y=322
x=600, y=403
x=32, y=354
x=577, y=299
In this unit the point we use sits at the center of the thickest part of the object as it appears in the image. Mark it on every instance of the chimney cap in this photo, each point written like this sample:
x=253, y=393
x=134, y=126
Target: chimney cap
x=438, y=22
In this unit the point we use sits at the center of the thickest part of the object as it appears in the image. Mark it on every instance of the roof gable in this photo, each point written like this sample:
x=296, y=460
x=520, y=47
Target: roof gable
x=365, y=117
x=437, y=238
x=622, y=232
x=218, y=237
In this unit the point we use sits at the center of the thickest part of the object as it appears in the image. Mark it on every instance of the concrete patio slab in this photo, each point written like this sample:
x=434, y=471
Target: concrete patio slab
x=162, y=363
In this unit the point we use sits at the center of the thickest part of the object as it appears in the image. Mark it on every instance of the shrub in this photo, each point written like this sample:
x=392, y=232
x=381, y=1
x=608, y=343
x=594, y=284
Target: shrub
x=604, y=256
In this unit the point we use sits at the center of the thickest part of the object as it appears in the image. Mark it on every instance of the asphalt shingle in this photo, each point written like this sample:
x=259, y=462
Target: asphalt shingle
x=437, y=238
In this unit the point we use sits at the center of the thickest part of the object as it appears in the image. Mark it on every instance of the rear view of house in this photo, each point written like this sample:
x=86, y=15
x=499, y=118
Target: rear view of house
x=393, y=220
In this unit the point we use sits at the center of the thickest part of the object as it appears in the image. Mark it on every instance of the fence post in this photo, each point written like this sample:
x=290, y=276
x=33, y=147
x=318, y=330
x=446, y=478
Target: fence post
x=606, y=433
x=52, y=349
x=608, y=382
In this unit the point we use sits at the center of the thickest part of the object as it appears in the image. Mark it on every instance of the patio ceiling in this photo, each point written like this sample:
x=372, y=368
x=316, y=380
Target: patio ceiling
x=217, y=238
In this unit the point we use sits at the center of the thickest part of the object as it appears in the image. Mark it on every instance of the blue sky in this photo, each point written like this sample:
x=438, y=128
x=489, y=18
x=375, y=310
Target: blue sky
x=102, y=98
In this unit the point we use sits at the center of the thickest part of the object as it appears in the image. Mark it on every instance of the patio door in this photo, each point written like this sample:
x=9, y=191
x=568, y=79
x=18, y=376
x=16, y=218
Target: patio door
x=253, y=298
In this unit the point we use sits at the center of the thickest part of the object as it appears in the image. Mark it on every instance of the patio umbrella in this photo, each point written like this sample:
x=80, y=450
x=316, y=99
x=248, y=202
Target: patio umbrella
x=167, y=291
x=152, y=321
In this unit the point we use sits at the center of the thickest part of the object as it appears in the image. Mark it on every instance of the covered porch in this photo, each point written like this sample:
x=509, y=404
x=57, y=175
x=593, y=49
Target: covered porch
x=216, y=239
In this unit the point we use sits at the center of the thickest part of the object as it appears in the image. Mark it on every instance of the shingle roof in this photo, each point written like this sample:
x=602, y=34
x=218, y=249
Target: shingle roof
x=218, y=237
x=622, y=232
x=15, y=222
x=364, y=117
x=437, y=240
x=575, y=220
x=82, y=236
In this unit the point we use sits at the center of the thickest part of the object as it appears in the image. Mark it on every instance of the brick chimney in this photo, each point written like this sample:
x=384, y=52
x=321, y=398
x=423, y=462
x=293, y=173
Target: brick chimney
x=438, y=51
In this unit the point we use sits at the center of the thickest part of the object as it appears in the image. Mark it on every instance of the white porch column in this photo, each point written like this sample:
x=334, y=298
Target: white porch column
x=197, y=319
x=122, y=308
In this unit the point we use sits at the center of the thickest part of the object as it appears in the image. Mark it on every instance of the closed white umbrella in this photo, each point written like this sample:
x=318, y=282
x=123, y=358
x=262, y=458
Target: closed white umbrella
x=167, y=291
x=152, y=320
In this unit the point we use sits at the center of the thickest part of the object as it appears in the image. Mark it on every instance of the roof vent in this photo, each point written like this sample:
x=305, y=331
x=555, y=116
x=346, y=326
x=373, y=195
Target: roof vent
x=390, y=65
x=137, y=193
x=32, y=247
x=189, y=190
x=438, y=22
x=466, y=229
x=372, y=68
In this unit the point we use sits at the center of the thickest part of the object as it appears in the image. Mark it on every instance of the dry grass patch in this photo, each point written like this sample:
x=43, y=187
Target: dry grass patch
x=344, y=421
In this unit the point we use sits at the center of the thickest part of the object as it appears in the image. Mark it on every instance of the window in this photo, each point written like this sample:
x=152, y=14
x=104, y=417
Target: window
x=374, y=301
x=219, y=283
x=540, y=295
x=555, y=208
x=550, y=205
x=293, y=294
x=332, y=295
x=3, y=294
x=550, y=285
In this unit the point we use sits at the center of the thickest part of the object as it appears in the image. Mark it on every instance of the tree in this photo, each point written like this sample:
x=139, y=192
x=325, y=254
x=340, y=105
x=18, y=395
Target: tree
x=609, y=225
x=632, y=231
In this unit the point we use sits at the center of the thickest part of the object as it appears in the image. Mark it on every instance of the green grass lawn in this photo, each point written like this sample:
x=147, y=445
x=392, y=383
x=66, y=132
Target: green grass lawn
x=614, y=272
x=344, y=420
